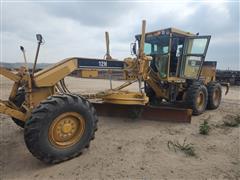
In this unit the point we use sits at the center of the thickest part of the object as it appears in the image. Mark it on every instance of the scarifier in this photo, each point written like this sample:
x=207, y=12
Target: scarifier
x=58, y=125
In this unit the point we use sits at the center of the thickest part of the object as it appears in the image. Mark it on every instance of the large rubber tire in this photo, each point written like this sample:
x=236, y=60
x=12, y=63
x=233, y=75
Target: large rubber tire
x=195, y=92
x=214, y=95
x=19, y=99
x=37, y=128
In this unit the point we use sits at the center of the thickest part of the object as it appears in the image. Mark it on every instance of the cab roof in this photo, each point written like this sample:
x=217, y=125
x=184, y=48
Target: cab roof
x=167, y=31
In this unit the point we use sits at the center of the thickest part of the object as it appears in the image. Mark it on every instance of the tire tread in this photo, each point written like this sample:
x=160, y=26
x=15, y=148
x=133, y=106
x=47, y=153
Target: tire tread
x=34, y=124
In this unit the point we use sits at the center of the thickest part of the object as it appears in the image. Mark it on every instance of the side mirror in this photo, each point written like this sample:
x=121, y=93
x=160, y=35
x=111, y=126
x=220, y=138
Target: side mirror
x=39, y=38
x=133, y=48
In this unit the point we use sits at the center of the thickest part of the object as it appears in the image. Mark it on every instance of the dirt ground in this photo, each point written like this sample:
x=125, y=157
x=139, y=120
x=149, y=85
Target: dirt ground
x=132, y=149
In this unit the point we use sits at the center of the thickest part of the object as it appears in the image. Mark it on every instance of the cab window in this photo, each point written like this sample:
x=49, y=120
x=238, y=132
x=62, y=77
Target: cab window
x=196, y=46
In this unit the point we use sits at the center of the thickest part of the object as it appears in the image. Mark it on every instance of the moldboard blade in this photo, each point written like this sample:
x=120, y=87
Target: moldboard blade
x=156, y=113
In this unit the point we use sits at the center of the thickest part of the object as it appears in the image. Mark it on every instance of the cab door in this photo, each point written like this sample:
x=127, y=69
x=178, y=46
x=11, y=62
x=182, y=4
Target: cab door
x=195, y=49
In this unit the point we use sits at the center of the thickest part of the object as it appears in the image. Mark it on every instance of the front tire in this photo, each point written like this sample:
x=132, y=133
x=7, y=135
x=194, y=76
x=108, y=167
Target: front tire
x=60, y=128
x=197, y=98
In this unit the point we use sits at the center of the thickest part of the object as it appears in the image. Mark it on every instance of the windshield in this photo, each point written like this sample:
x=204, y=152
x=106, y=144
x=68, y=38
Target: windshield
x=195, y=51
x=156, y=45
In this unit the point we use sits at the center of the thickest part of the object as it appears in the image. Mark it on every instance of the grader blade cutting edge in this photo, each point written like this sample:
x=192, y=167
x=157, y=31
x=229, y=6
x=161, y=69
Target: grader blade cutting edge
x=170, y=114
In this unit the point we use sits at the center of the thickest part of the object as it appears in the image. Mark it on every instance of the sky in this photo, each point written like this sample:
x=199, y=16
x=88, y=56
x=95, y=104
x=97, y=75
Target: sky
x=76, y=29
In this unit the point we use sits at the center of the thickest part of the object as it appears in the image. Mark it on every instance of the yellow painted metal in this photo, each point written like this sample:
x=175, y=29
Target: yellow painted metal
x=14, y=91
x=143, y=60
x=39, y=94
x=152, y=80
x=142, y=41
x=125, y=97
x=160, y=92
x=130, y=68
x=50, y=76
x=124, y=85
x=172, y=30
x=144, y=66
x=11, y=111
x=180, y=32
x=169, y=56
x=89, y=73
x=8, y=74
x=208, y=73
x=66, y=130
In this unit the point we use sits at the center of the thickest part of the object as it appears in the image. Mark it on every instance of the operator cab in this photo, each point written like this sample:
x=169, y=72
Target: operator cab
x=175, y=53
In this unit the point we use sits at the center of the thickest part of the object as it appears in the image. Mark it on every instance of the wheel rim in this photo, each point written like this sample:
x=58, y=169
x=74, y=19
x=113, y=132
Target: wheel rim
x=66, y=130
x=200, y=100
x=216, y=96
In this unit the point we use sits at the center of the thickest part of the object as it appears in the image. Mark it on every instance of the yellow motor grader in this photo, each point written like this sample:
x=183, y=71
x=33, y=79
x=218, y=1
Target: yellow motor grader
x=58, y=125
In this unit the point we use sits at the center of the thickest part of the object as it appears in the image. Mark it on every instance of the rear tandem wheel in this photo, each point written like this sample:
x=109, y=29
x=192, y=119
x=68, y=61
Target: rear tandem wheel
x=214, y=95
x=196, y=98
